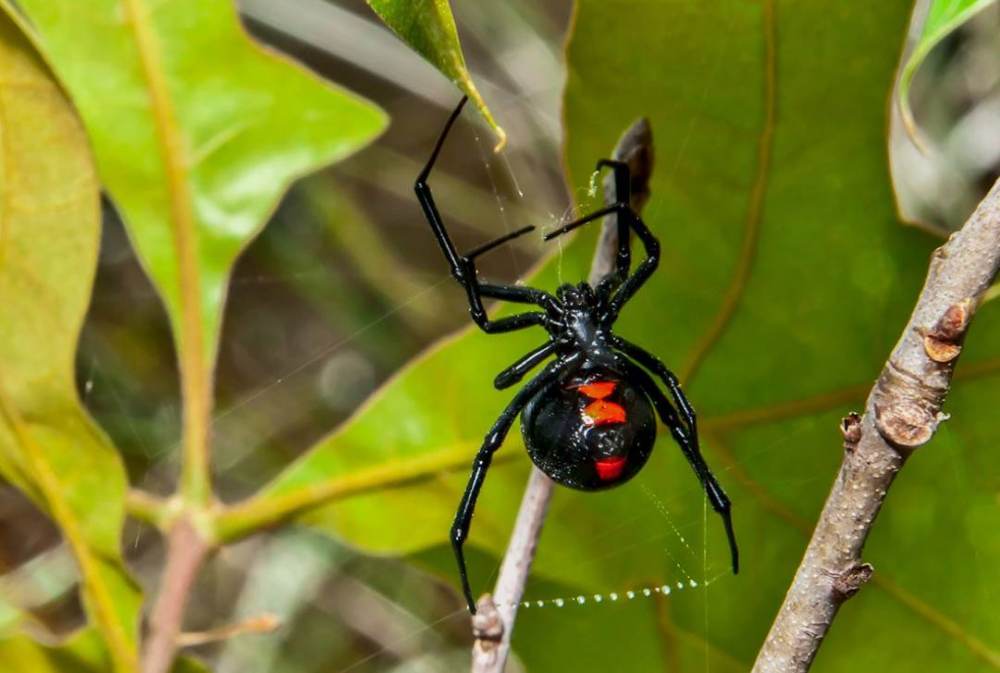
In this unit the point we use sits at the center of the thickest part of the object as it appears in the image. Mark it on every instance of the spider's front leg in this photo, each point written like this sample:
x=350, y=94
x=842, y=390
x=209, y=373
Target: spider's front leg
x=525, y=364
x=623, y=194
x=630, y=285
x=494, y=438
x=463, y=267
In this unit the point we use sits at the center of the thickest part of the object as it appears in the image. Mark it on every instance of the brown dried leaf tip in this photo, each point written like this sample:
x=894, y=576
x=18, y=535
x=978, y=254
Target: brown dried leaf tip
x=851, y=580
x=943, y=342
x=850, y=427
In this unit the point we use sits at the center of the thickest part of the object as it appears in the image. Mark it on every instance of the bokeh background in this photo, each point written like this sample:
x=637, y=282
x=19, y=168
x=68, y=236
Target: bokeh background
x=345, y=285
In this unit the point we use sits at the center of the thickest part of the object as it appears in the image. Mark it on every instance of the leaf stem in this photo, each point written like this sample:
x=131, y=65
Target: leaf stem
x=148, y=508
x=186, y=546
x=902, y=413
x=261, y=511
x=186, y=551
x=196, y=386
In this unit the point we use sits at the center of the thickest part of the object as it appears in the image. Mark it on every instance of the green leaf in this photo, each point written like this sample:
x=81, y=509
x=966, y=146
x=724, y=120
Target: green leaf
x=785, y=280
x=429, y=27
x=197, y=133
x=49, y=236
x=10, y=617
x=84, y=652
x=943, y=17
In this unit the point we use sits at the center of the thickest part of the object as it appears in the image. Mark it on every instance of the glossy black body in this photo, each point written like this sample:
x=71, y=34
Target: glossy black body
x=568, y=450
x=577, y=448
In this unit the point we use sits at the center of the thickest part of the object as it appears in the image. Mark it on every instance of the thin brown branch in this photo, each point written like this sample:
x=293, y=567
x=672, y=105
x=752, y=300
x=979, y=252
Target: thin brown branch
x=902, y=413
x=186, y=551
x=265, y=623
x=493, y=623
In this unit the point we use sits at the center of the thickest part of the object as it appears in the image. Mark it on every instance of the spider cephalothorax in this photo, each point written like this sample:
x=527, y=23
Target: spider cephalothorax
x=579, y=297
x=588, y=417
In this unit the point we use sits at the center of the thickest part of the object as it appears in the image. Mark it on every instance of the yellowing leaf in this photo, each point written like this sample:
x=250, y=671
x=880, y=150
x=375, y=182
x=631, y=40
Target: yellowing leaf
x=82, y=653
x=429, y=27
x=197, y=132
x=49, y=235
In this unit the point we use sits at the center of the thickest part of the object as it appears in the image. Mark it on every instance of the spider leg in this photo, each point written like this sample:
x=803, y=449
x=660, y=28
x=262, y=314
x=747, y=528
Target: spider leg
x=516, y=371
x=688, y=441
x=655, y=365
x=463, y=267
x=645, y=269
x=642, y=273
x=516, y=293
x=495, y=437
x=623, y=194
x=497, y=242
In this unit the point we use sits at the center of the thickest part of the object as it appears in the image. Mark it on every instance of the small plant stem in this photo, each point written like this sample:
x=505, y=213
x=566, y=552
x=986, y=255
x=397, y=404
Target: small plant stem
x=902, y=413
x=265, y=623
x=148, y=508
x=186, y=551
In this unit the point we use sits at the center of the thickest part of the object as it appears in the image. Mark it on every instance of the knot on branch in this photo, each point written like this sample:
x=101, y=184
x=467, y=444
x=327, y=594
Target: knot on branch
x=850, y=427
x=487, y=626
x=847, y=583
x=907, y=406
x=907, y=410
x=943, y=342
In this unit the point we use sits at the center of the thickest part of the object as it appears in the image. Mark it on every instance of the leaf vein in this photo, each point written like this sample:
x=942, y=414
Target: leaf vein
x=751, y=229
x=194, y=376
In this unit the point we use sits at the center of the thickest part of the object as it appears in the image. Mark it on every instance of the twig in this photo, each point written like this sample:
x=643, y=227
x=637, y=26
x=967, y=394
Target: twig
x=264, y=623
x=902, y=412
x=186, y=551
x=493, y=624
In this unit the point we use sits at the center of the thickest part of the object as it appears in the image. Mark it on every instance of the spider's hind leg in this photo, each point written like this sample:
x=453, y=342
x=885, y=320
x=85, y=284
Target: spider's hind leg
x=687, y=439
x=494, y=438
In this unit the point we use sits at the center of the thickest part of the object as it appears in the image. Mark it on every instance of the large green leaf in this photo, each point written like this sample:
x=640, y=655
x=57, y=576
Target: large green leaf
x=785, y=280
x=197, y=133
x=429, y=27
x=49, y=235
x=943, y=17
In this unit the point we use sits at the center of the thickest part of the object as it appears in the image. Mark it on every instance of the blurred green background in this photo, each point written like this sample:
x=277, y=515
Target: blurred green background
x=345, y=286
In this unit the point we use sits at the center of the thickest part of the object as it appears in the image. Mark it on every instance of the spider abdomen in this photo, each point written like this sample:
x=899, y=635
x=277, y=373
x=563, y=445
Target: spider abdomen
x=589, y=433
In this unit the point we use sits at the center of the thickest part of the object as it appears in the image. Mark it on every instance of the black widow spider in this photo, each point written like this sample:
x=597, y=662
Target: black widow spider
x=586, y=418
